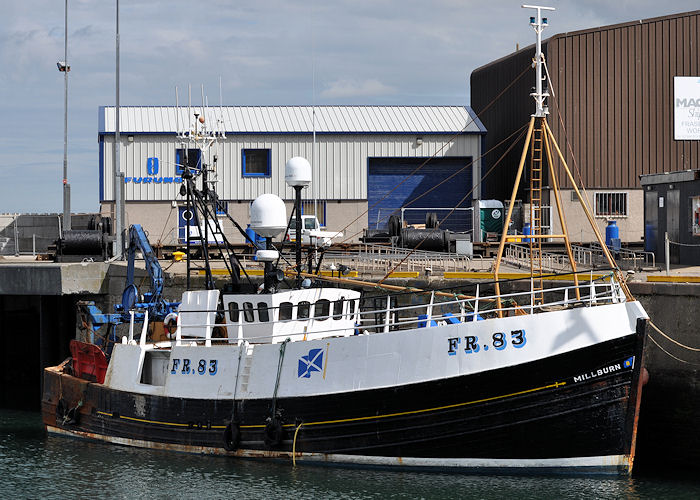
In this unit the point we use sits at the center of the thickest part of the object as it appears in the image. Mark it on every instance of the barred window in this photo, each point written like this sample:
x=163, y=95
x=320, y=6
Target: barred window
x=611, y=204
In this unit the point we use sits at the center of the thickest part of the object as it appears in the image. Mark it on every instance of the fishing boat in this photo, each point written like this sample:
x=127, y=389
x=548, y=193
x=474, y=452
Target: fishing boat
x=484, y=378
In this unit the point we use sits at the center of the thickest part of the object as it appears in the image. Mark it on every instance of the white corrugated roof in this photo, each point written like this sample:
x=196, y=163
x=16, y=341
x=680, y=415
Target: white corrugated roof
x=298, y=119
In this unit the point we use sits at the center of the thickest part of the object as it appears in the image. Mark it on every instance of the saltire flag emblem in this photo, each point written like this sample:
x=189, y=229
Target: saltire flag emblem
x=312, y=362
x=628, y=363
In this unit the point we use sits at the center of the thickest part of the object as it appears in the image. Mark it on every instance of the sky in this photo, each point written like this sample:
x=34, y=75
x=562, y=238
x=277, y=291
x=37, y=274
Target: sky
x=266, y=52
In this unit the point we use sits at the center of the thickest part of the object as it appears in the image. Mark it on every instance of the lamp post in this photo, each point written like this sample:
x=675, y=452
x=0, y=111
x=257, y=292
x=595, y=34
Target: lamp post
x=65, y=68
x=119, y=211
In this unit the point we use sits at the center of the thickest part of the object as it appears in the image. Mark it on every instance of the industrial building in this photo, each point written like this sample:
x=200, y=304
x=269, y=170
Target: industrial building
x=624, y=102
x=368, y=161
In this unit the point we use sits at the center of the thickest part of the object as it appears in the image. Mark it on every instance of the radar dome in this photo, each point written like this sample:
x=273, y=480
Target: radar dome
x=268, y=215
x=297, y=172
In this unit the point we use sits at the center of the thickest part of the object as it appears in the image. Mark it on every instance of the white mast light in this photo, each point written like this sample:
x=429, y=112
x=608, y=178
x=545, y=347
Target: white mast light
x=538, y=23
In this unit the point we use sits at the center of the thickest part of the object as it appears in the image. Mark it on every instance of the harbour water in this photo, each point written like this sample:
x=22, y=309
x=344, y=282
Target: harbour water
x=34, y=465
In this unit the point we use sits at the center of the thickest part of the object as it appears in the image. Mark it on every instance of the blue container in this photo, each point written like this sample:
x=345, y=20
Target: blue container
x=527, y=231
x=251, y=234
x=611, y=232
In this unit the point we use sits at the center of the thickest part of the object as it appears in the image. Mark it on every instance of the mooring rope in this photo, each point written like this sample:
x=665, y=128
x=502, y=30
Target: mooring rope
x=657, y=329
x=294, y=446
x=696, y=349
x=671, y=355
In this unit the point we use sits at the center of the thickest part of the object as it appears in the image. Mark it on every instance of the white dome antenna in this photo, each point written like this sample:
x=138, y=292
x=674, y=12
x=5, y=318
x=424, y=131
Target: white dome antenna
x=268, y=215
x=297, y=172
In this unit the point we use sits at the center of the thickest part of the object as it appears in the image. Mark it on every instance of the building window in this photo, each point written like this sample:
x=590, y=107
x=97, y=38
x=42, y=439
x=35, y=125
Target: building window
x=307, y=208
x=222, y=207
x=187, y=157
x=256, y=163
x=611, y=204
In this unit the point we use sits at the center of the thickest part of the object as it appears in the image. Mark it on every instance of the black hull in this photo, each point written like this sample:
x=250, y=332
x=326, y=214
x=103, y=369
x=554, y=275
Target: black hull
x=579, y=404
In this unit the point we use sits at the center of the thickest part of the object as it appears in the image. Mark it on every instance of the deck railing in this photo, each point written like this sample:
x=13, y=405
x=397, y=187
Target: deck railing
x=387, y=313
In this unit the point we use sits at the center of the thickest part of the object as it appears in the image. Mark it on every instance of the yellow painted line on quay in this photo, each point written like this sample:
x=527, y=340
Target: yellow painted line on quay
x=261, y=272
x=512, y=276
x=404, y=274
x=674, y=279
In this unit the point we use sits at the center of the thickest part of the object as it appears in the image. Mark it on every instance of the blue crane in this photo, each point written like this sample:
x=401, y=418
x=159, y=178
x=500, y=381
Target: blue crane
x=152, y=301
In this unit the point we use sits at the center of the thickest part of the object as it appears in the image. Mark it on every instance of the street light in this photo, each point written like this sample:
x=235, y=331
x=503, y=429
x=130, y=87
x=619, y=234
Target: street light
x=64, y=68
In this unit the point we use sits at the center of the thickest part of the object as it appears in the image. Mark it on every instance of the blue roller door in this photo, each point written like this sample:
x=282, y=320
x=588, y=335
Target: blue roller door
x=385, y=174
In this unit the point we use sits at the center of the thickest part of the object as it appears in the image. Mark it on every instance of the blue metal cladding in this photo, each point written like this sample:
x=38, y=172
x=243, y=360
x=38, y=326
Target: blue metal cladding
x=387, y=174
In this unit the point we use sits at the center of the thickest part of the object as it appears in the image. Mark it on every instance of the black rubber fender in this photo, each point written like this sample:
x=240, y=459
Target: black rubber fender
x=274, y=432
x=232, y=437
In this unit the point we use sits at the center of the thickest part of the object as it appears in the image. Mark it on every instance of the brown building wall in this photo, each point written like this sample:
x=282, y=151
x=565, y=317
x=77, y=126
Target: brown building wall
x=613, y=91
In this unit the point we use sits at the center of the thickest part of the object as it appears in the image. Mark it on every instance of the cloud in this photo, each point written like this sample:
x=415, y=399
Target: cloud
x=347, y=88
x=379, y=52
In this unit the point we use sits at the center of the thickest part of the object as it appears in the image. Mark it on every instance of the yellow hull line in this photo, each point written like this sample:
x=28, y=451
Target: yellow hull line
x=424, y=410
x=354, y=419
x=145, y=421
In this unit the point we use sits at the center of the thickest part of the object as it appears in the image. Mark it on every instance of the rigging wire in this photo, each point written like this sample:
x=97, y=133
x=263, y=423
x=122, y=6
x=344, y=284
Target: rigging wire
x=516, y=141
x=566, y=134
x=451, y=176
x=439, y=150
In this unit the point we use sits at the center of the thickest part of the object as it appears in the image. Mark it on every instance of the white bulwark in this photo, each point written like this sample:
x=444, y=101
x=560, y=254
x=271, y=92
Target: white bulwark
x=360, y=153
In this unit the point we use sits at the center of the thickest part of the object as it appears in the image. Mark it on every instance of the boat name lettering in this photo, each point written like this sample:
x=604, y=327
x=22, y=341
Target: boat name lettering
x=626, y=364
x=185, y=366
x=499, y=341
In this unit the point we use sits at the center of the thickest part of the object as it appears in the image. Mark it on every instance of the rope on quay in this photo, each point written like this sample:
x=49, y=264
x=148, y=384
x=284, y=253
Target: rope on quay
x=656, y=328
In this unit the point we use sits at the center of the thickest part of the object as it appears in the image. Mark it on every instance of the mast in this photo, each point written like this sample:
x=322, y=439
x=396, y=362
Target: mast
x=540, y=144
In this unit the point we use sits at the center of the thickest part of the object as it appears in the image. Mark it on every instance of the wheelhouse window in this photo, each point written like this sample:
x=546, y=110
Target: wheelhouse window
x=233, y=311
x=286, y=309
x=191, y=158
x=248, y=314
x=256, y=163
x=303, y=309
x=321, y=309
x=263, y=312
x=338, y=309
x=613, y=204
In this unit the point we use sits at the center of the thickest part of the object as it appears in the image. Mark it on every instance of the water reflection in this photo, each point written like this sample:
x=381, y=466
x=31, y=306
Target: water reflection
x=34, y=465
